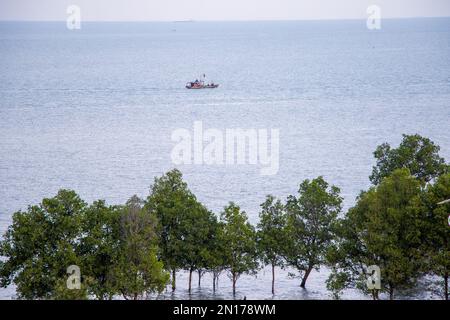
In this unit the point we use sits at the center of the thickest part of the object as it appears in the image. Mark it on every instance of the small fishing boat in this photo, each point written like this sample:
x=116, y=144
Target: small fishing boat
x=201, y=84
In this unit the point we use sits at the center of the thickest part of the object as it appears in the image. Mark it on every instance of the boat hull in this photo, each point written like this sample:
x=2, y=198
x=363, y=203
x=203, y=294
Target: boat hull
x=202, y=87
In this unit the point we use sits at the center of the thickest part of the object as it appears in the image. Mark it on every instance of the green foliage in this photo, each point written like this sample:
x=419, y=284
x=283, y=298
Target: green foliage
x=125, y=250
x=240, y=238
x=138, y=272
x=170, y=200
x=197, y=228
x=40, y=244
x=61, y=292
x=115, y=248
x=215, y=255
x=436, y=231
x=99, y=247
x=382, y=229
x=310, y=220
x=271, y=231
x=176, y=209
x=418, y=154
x=336, y=281
x=271, y=236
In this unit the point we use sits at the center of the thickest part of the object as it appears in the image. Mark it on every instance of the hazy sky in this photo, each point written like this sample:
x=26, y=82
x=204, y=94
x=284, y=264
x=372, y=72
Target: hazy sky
x=170, y=10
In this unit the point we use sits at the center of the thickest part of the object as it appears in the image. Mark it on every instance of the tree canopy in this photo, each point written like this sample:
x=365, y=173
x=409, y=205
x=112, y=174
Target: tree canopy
x=418, y=154
x=240, y=237
x=436, y=231
x=399, y=225
x=382, y=229
x=271, y=235
x=40, y=244
x=310, y=219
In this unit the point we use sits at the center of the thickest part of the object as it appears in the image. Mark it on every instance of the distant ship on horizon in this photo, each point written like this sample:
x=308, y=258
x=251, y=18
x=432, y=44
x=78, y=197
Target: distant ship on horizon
x=184, y=21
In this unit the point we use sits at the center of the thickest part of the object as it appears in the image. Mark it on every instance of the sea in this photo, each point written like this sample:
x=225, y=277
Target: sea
x=95, y=110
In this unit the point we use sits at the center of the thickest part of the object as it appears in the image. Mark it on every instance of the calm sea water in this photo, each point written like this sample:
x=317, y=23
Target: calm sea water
x=94, y=109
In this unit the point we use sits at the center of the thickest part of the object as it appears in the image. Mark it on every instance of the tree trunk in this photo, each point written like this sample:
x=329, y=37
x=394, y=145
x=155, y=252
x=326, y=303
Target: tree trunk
x=234, y=284
x=273, y=278
x=391, y=293
x=446, y=286
x=375, y=295
x=199, y=277
x=190, y=279
x=305, y=277
x=214, y=281
x=174, y=286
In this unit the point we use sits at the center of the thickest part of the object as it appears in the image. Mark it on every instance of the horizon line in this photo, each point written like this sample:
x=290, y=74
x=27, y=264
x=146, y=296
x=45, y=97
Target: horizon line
x=228, y=20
